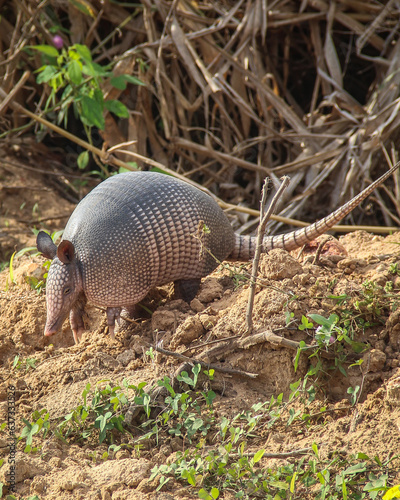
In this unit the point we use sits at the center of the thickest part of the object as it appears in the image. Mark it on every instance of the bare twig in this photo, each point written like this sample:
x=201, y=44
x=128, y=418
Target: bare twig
x=264, y=217
x=325, y=239
x=231, y=371
x=9, y=98
x=269, y=336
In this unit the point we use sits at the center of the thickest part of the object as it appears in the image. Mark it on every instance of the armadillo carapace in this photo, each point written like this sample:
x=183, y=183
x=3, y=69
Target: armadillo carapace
x=139, y=230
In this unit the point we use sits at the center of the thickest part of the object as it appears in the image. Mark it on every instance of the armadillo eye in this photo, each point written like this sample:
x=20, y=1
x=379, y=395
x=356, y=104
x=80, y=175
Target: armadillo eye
x=67, y=291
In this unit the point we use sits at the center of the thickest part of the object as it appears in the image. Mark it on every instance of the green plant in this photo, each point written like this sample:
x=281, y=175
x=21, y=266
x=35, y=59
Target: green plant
x=101, y=417
x=230, y=466
x=36, y=284
x=76, y=80
x=40, y=423
x=183, y=416
x=27, y=363
x=234, y=462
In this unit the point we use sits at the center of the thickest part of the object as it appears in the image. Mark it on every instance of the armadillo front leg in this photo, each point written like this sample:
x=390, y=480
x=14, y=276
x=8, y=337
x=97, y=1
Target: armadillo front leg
x=187, y=289
x=76, y=318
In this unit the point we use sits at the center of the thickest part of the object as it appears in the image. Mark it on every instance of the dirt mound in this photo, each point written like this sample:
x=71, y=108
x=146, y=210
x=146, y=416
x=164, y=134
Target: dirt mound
x=358, y=283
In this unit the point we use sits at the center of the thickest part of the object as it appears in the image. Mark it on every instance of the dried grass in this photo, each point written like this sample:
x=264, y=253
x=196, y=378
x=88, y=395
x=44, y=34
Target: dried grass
x=236, y=91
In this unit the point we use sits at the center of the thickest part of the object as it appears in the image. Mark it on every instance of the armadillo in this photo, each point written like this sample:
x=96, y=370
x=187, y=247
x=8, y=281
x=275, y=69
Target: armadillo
x=138, y=230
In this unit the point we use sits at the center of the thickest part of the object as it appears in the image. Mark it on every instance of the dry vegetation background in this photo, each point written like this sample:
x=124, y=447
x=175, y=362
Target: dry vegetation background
x=234, y=91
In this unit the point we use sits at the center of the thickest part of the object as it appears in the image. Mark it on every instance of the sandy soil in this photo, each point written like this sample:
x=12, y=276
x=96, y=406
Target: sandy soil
x=291, y=284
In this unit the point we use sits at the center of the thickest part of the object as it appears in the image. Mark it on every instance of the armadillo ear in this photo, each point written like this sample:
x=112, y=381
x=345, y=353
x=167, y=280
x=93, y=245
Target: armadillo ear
x=65, y=251
x=45, y=245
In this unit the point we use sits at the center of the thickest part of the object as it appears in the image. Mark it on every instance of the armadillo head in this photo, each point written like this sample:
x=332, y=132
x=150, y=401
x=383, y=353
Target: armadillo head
x=63, y=284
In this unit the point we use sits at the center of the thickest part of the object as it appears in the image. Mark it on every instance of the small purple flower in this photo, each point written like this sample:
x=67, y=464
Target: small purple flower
x=58, y=42
x=332, y=340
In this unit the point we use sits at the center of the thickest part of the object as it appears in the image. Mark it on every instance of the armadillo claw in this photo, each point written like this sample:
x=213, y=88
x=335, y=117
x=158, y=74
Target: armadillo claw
x=78, y=334
x=77, y=324
x=113, y=314
x=111, y=331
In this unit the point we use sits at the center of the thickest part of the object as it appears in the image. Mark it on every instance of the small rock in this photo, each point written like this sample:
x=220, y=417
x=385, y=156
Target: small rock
x=120, y=454
x=138, y=345
x=207, y=321
x=176, y=444
x=351, y=263
x=105, y=494
x=278, y=265
x=126, y=357
x=38, y=485
x=55, y=462
x=393, y=390
x=163, y=320
x=196, y=305
x=301, y=279
x=108, y=361
x=66, y=485
x=210, y=290
x=188, y=331
x=380, y=278
x=374, y=360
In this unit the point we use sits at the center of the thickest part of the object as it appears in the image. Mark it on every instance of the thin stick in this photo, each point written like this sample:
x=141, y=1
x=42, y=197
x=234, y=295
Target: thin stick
x=277, y=340
x=4, y=104
x=264, y=217
x=231, y=371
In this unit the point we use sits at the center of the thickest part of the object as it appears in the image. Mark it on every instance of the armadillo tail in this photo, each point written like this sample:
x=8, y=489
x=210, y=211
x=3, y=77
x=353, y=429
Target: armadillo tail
x=245, y=248
x=245, y=245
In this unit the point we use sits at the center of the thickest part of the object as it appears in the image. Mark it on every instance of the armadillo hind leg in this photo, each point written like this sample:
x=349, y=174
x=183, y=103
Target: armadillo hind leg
x=113, y=314
x=76, y=318
x=187, y=289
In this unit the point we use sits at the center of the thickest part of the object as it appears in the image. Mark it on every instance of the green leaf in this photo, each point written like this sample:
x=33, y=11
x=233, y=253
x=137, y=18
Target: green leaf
x=94, y=69
x=119, y=82
x=83, y=160
x=98, y=97
x=156, y=169
x=75, y=72
x=92, y=112
x=47, y=74
x=305, y=323
x=344, y=491
x=204, y=495
x=292, y=482
x=117, y=108
x=355, y=469
x=29, y=431
x=84, y=7
x=83, y=51
x=121, y=170
x=327, y=322
x=134, y=80
x=258, y=456
x=49, y=50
